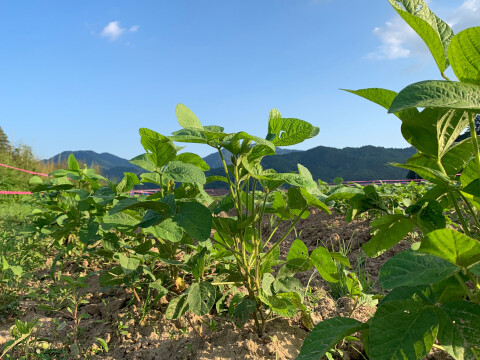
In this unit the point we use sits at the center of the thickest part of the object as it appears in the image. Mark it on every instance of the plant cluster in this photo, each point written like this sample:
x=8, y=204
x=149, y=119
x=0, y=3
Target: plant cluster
x=433, y=288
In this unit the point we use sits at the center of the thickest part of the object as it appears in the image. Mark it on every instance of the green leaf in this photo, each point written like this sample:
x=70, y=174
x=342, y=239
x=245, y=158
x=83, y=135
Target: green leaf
x=412, y=268
x=313, y=201
x=242, y=311
x=295, y=200
x=194, y=159
x=287, y=285
x=177, y=307
x=464, y=55
x=292, y=179
x=326, y=334
x=281, y=304
x=435, y=32
x=185, y=173
x=438, y=94
x=160, y=149
x=433, y=175
x=128, y=264
x=72, y=163
x=322, y=260
x=384, y=98
x=132, y=203
x=344, y=193
x=195, y=219
x=128, y=182
x=167, y=230
x=452, y=246
x=297, y=257
x=201, y=297
x=459, y=326
x=186, y=118
x=404, y=329
x=145, y=162
x=189, y=135
x=390, y=230
x=290, y=131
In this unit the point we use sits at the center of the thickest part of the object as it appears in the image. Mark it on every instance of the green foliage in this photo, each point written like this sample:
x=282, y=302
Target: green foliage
x=434, y=287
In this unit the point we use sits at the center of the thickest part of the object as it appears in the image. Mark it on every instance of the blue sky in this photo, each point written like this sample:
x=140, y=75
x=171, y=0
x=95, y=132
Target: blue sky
x=87, y=75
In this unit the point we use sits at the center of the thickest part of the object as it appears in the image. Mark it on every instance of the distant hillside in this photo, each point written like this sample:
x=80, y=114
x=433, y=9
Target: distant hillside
x=326, y=163
x=111, y=166
x=214, y=161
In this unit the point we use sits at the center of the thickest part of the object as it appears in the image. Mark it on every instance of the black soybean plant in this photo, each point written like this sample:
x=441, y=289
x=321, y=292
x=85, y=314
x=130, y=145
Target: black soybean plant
x=243, y=251
x=433, y=288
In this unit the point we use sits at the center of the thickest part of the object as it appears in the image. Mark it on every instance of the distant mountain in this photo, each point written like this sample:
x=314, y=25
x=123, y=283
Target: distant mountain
x=214, y=160
x=111, y=166
x=325, y=163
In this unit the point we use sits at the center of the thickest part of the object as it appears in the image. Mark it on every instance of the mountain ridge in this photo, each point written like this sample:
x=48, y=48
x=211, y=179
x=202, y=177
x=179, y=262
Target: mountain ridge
x=325, y=163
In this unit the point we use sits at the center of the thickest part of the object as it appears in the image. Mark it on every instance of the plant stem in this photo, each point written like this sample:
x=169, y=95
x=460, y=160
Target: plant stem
x=473, y=134
x=460, y=215
x=286, y=233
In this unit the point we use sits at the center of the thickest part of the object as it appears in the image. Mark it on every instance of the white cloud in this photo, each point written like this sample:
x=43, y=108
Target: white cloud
x=398, y=40
x=465, y=16
x=113, y=30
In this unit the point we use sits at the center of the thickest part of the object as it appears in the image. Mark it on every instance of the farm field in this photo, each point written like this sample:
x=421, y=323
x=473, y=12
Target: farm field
x=113, y=314
x=282, y=266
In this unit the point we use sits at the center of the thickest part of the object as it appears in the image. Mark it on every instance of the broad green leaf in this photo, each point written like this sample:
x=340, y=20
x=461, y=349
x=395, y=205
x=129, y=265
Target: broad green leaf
x=177, y=307
x=322, y=260
x=201, y=297
x=326, y=334
x=72, y=163
x=438, y=94
x=298, y=250
x=469, y=174
x=369, y=200
x=167, y=230
x=119, y=221
x=189, y=135
x=194, y=159
x=289, y=131
x=195, y=219
x=153, y=178
x=267, y=282
x=402, y=330
x=186, y=118
x=242, y=135
x=287, y=285
x=412, y=268
x=295, y=200
x=132, y=203
x=459, y=326
x=160, y=149
x=128, y=182
x=384, y=98
x=145, y=162
x=344, y=193
x=185, y=173
x=281, y=304
x=427, y=173
x=390, y=230
x=128, y=264
x=292, y=179
x=242, y=311
x=103, y=196
x=313, y=201
x=464, y=55
x=435, y=32
x=452, y=246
